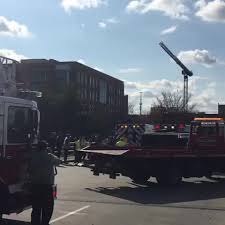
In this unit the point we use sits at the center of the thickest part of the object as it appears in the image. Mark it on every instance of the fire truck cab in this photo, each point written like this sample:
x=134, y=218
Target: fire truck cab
x=19, y=119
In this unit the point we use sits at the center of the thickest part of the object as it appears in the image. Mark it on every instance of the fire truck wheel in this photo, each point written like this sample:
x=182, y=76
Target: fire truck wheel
x=170, y=177
x=140, y=178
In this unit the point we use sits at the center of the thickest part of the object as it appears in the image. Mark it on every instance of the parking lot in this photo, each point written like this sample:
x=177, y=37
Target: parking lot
x=89, y=200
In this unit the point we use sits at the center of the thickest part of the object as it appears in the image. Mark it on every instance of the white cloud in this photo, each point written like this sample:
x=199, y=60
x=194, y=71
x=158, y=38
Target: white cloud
x=68, y=5
x=12, y=28
x=203, y=92
x=156, y=86
x=202, y=57
x=169, y=30
x=173, y=8
x=207, y=99
x=105, y=22
x=11, y=54
x=200, y=4
x=130, y=70
x=102, y=25
x=112, y=20
x=82, y=25
x=213, y=11
x=82, y=61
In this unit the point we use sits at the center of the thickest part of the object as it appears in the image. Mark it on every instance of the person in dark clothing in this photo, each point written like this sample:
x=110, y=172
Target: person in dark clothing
x=77, y=153
x=52, y=141
x=59, y=145
x=66, y=147
x=42, y=180
x=42, y=204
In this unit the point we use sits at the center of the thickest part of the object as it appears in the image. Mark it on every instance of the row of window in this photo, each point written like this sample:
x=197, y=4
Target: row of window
x=62, y=77
x=87, y=81
x=100, y=96
x=92, y=82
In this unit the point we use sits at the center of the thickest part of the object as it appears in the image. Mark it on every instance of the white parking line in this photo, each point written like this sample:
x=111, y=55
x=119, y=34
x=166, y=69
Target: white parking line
x=69, y=214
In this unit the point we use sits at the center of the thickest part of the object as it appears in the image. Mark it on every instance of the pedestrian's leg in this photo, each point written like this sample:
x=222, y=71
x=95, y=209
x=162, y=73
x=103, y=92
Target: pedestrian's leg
x=36, y=206
x=65, y=155
x=36, y=215
x=48, y=207
x=58, y=153
x=75, y=156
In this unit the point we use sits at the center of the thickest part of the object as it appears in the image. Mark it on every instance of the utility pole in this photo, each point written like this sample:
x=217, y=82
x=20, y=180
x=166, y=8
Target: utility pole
x=141, y=103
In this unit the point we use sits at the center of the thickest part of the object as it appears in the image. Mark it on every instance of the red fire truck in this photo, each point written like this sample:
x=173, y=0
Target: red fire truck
x=19, y=125
x=19, y=121
x=167, y=156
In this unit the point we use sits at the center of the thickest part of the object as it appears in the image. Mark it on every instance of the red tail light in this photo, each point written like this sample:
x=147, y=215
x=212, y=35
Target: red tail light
x=54, y=191
x=181, y=126
x=157, y=127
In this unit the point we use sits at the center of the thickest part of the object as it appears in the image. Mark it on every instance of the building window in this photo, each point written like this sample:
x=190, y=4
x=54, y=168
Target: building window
x=103, y=92
x=39, y=76
x=61, y=78
x=96, y=96
x=81, y=78
x=90, y=81
x=78, y=77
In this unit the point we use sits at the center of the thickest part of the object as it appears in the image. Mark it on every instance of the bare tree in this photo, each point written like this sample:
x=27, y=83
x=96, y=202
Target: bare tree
x=171, y=102
x=131, y=108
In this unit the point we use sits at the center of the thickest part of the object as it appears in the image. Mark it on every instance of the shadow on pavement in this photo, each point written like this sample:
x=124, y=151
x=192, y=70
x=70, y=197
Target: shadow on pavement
x=152, y=193
x=14, y=222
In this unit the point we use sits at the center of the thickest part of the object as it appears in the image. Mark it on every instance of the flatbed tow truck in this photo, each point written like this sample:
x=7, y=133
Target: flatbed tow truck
x=201, y=154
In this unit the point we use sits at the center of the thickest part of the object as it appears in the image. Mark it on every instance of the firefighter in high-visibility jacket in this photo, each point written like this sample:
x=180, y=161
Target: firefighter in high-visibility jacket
x=123, y=142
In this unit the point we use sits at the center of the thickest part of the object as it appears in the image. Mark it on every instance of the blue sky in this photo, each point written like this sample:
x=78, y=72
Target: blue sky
x=121, y=38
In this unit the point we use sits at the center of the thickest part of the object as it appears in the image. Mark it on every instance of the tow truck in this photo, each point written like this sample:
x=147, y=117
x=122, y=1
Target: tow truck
x=168, y=157
x=19, y=125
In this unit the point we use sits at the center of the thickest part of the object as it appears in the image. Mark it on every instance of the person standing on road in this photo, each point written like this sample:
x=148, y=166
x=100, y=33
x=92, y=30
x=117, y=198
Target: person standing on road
x=77, y=154
x=59, y=144
x=42, y=176
x=66, y=147
x=52, y=141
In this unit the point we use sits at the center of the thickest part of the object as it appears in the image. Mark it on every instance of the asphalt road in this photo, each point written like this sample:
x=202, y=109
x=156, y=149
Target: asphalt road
x=88, y=200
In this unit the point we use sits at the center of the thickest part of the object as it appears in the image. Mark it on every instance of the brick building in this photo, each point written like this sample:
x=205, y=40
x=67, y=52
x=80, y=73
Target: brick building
x=97, y=92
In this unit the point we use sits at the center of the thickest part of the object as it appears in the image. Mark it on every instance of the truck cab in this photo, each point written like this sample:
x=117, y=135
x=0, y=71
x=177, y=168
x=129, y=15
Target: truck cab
x=19, y=119
x=207, y=134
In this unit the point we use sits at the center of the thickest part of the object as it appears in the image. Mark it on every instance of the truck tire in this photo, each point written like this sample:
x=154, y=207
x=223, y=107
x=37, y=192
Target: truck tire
x=140, y=178
x=170, y=177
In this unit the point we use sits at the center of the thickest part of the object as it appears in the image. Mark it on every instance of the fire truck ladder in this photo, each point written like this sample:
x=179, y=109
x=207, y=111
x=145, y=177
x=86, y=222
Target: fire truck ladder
x=185, y=72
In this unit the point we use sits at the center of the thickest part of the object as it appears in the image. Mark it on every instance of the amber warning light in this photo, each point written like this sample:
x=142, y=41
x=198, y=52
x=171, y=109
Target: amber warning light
x=208, y=119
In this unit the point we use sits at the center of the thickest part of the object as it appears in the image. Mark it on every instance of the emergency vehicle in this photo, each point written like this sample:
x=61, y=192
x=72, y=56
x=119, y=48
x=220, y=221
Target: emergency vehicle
x=18, y=131
x=167, y=156
x=19, y=125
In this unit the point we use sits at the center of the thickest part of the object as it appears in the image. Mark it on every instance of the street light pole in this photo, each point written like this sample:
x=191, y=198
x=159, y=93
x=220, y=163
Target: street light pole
x=141, y=103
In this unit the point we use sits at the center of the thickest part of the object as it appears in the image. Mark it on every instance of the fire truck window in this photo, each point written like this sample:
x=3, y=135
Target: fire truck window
x=18, y=124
